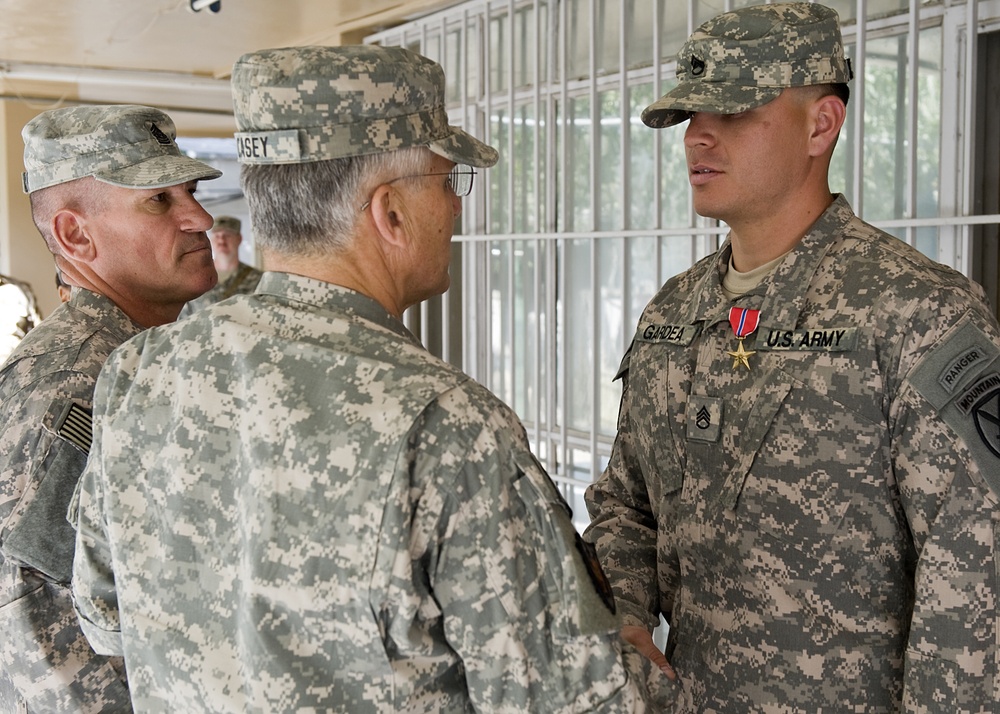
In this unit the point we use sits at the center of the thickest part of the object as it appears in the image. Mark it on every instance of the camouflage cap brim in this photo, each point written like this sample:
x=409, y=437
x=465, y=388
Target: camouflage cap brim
x=159, y=172
x=463, y=148
x=679, y=104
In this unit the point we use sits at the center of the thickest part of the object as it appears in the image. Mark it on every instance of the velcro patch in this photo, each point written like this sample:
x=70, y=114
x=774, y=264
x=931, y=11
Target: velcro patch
x=269, y=147
x=704, y=418
x=837, y=339
x=77, y=427
x=960, y=379
x=653, y=332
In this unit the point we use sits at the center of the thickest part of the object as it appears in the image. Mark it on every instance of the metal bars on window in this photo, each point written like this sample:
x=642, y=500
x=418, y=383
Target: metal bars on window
x=588, y=211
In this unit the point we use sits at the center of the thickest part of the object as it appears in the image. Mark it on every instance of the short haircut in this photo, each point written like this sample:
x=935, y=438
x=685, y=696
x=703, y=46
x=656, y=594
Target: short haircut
x=311, y=208
x=84, y=194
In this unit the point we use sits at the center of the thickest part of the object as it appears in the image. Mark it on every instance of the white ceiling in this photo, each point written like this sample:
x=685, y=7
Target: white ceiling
x=160, y=52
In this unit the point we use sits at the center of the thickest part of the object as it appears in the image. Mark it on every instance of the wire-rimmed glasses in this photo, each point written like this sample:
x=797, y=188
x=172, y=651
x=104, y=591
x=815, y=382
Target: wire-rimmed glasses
x=459, y=180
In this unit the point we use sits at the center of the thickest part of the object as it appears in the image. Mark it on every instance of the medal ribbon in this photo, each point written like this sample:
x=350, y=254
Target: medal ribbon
x=743, y=320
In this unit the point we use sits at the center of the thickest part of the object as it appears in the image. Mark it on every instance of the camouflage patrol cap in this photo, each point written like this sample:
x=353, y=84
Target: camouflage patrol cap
x=745, y=58
x=227, y=223
x=123, y=145
x=304, y=104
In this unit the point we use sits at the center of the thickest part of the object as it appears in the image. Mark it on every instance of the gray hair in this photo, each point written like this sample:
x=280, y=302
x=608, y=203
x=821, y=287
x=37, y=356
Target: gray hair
x=311, y=208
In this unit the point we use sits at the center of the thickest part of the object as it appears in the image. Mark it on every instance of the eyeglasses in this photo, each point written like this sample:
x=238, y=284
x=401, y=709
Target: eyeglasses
x=459, y=180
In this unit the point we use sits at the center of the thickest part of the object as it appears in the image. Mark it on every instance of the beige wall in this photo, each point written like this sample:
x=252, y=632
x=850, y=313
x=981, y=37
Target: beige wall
x=23, y=254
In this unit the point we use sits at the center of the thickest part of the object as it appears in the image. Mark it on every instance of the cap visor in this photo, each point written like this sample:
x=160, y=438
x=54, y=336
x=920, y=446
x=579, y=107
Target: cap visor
x=463, y=148
x=159, y=172
x=714, y=98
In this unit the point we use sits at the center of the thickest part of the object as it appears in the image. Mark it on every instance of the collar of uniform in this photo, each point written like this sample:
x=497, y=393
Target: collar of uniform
x=781, y=296
x=788, y=286
x=104, y=310
x=328, y=296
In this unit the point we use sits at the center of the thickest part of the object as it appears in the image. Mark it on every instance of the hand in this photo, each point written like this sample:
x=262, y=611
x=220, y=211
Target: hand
x=642, y=640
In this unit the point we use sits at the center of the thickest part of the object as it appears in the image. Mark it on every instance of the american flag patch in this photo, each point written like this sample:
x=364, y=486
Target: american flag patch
x=76, y=426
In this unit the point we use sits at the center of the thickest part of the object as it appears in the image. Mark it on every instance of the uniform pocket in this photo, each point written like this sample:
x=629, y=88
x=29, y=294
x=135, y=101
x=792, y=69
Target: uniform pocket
x=810, y=455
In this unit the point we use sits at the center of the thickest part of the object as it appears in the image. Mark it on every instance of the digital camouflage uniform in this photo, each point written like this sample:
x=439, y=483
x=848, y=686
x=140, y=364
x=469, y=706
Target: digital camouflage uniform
x=242, y=281
x=46, y=390
x=292, y=506
x=821, y=530
x=303, y=510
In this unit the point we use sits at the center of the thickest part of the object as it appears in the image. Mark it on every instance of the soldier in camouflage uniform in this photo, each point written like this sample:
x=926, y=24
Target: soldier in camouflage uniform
x=235, y=276
x=807, y=469
x=291, y=505
x=112, y=196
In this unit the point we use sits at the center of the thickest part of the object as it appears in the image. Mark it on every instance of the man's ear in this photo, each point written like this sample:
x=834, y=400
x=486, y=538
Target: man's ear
x=828, y=113
x=70, y=233
x=389, y=215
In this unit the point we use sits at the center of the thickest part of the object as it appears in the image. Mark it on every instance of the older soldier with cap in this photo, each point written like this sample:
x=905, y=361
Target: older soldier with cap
x=807, y=469
x=112, y=196
x=235, y=276
x=291, y=505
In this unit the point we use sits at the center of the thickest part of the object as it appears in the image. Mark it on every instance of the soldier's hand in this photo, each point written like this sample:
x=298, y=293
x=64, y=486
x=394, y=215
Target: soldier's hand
x=642, y=640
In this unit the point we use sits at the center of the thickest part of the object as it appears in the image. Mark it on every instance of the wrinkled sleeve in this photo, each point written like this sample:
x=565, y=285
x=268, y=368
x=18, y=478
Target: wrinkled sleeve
x=523, y=603
x=94, y=595
x=946, y=456
x=623, y=527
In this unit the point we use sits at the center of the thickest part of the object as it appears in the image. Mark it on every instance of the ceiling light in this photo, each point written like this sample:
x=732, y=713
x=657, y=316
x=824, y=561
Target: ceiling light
x=212, y=5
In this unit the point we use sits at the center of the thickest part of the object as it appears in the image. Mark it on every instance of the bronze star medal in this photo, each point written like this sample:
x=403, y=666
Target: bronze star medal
x=743, y=321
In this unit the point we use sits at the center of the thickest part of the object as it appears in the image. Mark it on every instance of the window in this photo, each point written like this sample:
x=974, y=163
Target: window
x=588, y=211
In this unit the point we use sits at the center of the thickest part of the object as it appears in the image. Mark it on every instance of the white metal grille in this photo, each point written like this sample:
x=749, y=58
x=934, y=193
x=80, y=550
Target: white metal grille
x=589, y=211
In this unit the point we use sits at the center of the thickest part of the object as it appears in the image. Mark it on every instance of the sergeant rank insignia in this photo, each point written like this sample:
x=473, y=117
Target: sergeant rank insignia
x=744, y=321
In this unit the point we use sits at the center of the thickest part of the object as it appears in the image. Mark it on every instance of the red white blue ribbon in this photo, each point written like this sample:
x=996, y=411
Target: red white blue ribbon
x=744, y=321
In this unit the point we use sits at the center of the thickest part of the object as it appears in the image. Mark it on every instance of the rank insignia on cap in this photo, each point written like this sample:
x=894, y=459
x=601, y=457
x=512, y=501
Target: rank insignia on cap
x=159, y=135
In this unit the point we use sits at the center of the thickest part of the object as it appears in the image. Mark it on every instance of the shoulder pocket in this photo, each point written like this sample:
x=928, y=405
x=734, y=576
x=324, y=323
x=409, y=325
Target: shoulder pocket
x=40, y=536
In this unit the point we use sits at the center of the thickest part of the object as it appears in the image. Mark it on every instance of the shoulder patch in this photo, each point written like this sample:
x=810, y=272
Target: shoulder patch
x=76, y=426
x=949, y=369
x=982, y=401
x=657, y=333
x=960, y=378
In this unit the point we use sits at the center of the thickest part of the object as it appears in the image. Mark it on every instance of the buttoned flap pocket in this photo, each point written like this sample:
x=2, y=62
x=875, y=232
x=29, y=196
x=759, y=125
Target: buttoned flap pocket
x=806, y=457
x=578, y=593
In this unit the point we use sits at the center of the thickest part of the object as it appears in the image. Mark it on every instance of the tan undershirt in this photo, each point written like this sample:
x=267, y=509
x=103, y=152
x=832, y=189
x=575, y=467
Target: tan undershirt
x=735, y=283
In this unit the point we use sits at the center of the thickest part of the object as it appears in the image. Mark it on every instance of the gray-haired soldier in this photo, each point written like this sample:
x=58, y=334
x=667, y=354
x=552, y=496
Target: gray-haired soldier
x=291, y=505
x=111, y=194
x=807, y=469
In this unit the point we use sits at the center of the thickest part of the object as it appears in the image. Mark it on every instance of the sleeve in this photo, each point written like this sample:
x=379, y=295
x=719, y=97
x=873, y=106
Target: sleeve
x=37, y=534
x=94, y=596
x=524, y=603
x=945, y=426
x=623, y=527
